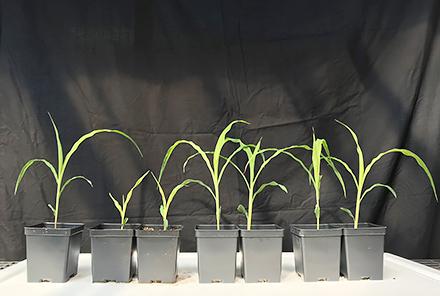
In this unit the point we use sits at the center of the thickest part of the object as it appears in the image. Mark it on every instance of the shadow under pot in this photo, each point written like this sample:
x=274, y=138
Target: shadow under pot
x=316, y=252
x=52, y=253
x=112, y=252
x=216, y=253
x=362, y=251
x=261, y=247
x=157, y=251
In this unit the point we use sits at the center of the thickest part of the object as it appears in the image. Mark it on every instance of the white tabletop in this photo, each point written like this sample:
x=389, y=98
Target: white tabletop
x=401, y=277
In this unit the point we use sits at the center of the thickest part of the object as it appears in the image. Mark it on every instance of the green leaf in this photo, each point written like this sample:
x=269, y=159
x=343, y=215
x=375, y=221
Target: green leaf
x=59, y=146
x=162, y=211
x=28, y=165
x=52, y=208
x=91, y=134
x=347, y=168
x=242, y=210
x=221, y=141
x=116, y=203
x=348, y=212
x=358, y=148
x=165, y=223
x=379, y=185
x=138, y=182
x=76, y=178
x=159, y=187
x=125, y=221
x=330, y=163
x=186, y=183
x=270, y=184
x=407, y=153
x=194, y=146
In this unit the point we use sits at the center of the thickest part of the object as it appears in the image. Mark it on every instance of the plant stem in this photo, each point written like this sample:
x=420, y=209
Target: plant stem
x=317, y=213
x=217, y=204
x=250, y=207
x=357, y=210
x=57, y=201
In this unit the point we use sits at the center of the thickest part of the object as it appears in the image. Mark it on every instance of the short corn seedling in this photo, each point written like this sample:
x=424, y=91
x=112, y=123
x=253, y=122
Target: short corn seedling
x=166, y=202
x=360, y=179
x=215, y=169
x=63, y=161
x=253, y=152
x=122, y=208
x=320, y=151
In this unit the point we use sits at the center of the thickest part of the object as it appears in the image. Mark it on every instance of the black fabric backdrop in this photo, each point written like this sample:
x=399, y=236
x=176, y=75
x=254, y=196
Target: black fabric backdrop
x=165, y=70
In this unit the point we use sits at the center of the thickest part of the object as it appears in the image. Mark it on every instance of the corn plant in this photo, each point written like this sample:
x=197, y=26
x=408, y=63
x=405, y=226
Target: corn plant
x=166, y=201
x=216, y=170
x=363, y=171
x=63, y=161
x=122, y=208
x=253, y=152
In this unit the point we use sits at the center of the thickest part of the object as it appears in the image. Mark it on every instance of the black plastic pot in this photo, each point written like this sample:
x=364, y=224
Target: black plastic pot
x=261, y=248
x=362, y=251
x=316, y=252
x=52, y=253
x=216, y=253
x=157, y=251
x=112, y=252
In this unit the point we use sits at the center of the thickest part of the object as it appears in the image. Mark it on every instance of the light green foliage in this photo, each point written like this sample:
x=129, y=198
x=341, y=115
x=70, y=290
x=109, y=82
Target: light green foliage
x=166, y=202
x=122, y=208
x=215, y=168
x=63, y=161
x=363, y=171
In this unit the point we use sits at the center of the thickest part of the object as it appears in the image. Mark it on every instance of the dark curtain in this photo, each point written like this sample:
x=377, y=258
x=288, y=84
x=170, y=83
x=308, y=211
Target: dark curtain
x=168, y=70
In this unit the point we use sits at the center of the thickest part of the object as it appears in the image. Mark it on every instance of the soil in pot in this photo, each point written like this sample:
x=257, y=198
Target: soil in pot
x=157, y=251
x=52, y=253
x=112, y=252
x=216, y=253
x=316, y=252
x=261, y=248
x=362, y=251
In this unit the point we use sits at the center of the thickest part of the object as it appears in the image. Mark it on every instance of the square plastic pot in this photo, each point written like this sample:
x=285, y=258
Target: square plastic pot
x=261, y=248
x=362, y=251
x=216, y=253
x=316, y=252
x=157, y=251
x=112, y=252
x=52, y=253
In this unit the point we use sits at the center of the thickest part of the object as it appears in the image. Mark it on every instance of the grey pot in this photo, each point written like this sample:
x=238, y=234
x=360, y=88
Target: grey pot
x=112, y=252
x=216, y=253
x=52, y=253
x=261, y=248
x=316, y=252
x=362, y=251
x=157, y=253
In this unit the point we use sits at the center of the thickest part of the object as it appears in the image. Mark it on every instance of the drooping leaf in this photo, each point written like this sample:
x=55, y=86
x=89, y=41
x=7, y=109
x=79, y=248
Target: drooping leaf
x=358, y=148
x=348, y=212
x=91, y=134
x=347, y=168
x=407, y=153
x=330, y=163
x=76, y=178
x=28, y=165
x=242, y=210
x=270, y=184
x=161, y=191
x=379, y=185
x=116, y=203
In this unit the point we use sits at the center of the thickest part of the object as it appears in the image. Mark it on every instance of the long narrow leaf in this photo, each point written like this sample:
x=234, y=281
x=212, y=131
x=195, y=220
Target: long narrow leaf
x=91, y=134
x=194, y=146
x=270, y=184
x=333, y=167
x=358, y=148
x=76, y=178
x=376, y=186
x=185, y=183
x=221, y=141
x=348, y=212
x=136, y=184
x=116, y=203
x=407, y=153
x=159, y=187
x=59, y=146
x=347, y=168
x=28, y=165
